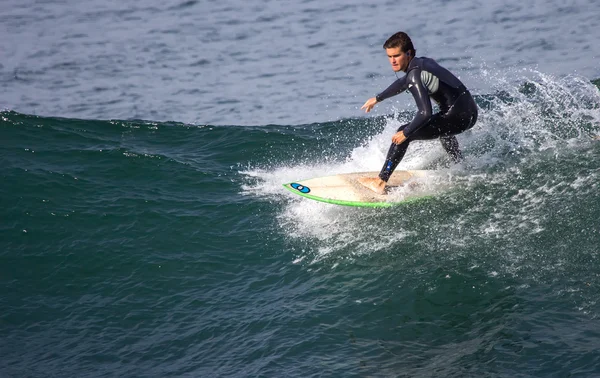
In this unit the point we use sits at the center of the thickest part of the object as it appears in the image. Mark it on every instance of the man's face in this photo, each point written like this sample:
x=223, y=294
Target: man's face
x=398, y=59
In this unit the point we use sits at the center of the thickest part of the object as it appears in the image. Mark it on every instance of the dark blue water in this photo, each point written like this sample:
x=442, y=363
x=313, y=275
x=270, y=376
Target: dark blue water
x=265, y=62
x=144, y=230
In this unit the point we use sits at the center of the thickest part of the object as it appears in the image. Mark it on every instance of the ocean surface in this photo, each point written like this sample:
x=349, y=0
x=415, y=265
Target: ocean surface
x=145, y=232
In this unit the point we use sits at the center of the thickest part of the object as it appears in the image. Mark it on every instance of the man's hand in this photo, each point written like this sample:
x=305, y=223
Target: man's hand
x=369, y=104
x=399, y=137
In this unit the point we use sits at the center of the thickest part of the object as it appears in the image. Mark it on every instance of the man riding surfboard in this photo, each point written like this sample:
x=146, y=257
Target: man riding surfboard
x=426, y=80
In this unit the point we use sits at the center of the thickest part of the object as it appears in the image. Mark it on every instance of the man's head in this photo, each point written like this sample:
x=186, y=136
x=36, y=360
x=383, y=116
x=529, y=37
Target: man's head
x=400, y=51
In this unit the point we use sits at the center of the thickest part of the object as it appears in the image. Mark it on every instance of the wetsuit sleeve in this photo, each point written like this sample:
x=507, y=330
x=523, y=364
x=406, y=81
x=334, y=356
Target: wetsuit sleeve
x=397, y=87
x=419, y=92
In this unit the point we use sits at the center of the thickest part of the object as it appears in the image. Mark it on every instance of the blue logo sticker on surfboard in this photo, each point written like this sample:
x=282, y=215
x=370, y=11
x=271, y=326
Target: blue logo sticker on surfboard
x=300, y=188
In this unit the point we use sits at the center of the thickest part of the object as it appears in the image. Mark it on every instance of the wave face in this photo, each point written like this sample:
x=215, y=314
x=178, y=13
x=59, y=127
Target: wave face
x=159, y=248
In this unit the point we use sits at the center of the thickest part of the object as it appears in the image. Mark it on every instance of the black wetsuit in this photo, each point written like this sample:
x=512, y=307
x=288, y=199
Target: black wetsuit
x=458, y=112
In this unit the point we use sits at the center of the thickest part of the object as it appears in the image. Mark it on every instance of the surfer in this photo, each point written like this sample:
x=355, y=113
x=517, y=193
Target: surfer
x=424, y=79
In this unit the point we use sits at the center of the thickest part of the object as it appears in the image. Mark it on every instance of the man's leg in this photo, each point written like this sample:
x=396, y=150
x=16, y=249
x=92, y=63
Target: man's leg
x=438, y=127
x=393, y=158
x=450, y=144
x=444, y=127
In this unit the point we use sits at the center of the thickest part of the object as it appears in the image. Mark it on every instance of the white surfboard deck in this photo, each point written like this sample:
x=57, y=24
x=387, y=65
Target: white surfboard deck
x=344, y=189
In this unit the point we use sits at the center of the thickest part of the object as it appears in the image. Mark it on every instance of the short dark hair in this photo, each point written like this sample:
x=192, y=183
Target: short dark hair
x=402, y=40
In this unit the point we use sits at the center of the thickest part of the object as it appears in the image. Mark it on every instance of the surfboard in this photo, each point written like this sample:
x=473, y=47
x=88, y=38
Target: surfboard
x=344, y=189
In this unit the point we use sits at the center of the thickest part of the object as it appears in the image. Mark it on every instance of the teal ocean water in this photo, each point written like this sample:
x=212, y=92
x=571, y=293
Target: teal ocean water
x=138, y=248
x=145, y=232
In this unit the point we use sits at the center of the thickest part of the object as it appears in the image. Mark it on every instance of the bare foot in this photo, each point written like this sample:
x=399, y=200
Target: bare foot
x=374, y=183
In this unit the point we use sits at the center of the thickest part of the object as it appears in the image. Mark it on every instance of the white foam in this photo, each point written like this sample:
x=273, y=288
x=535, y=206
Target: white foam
x=517, y=130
